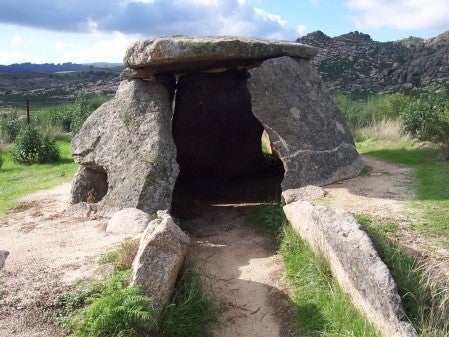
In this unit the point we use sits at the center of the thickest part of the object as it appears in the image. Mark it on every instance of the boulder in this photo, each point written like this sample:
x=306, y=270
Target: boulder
x=181, y=54
x=161, y=254
x=3, y=256
x=354, y=262
x=309, y=192
x=306, y=129
x=128, y=221
x=126, y=151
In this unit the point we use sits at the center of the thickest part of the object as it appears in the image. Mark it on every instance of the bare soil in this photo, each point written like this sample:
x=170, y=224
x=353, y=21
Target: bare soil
x=239, y=265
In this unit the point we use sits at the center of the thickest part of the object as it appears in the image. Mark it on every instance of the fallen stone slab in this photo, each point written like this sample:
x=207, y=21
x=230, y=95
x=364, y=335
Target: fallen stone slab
x=128, y=221
x=160, y=257
x=180, y=54
x=354, y=262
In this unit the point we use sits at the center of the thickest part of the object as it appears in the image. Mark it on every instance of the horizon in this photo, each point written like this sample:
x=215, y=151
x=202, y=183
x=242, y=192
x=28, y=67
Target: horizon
x=77, y=32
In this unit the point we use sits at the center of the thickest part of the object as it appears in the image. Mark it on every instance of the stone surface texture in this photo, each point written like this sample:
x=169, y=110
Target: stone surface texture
x=354, y=262
x=128, y=142
x=128, y=221
x=161, y=254
x=306, y=129
x=180, y=54
x=306, y=193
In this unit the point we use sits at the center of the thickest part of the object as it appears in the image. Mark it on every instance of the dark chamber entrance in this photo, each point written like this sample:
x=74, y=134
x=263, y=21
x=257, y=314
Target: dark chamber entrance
x=218, y=143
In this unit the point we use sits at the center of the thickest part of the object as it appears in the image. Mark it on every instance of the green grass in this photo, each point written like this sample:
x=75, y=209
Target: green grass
x=189, y=312
x=430, y=182
x=426, y=301
x=322, y=309
x=17, y=180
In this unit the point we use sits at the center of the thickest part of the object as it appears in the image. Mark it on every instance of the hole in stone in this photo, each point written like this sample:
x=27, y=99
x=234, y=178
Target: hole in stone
x=93, y=185
x=219, y=145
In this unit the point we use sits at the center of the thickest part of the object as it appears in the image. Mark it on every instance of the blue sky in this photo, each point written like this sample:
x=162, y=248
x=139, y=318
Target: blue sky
x=84, y=31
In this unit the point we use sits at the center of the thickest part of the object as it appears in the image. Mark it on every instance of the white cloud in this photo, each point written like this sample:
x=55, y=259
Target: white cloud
x=63, y=46
x=301, y=30
x=107, y=48
x=400, y=14
x=16, y=41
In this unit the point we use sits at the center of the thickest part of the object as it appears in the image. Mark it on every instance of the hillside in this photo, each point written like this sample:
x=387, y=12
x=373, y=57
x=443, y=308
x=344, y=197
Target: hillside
x=356, y=64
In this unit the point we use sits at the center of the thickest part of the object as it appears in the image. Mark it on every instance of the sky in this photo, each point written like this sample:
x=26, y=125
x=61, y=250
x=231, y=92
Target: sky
x=85, y=31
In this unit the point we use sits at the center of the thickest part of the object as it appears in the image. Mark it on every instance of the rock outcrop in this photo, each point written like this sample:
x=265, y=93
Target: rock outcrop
x=161, y=255
x=356, y=64
x=354, y=262
x=126, y=149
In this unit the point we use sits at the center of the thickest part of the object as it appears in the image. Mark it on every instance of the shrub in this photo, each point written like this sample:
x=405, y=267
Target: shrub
x=10, y=125
x=1, y=158
x=427, y=118
x=31, y=147
x=61, y=116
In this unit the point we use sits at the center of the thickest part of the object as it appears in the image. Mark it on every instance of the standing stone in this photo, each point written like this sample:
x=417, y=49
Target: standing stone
x=161, y=254
x=127, y=146
x=306, y=129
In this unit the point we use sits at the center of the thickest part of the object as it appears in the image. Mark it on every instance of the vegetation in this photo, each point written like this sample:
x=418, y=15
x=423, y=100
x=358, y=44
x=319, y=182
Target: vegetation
x=32, y=147
x=17, y=180
x=424, y=293
x=322, y=307
x=113, y=308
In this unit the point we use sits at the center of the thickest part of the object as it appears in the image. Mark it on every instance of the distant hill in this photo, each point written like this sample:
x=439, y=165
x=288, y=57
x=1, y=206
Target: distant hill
x=53, y=68
x=356, y=64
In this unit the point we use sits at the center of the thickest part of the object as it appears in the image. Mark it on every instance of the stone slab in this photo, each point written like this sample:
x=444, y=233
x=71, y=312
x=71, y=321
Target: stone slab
x=354, y=262
x=180, y=54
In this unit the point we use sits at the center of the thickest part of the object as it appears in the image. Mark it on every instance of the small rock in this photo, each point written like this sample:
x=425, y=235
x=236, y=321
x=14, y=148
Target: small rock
x=3, y=255
x=128, y=221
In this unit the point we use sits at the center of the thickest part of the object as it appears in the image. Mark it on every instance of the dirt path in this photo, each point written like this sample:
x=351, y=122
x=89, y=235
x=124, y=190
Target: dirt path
x=383, y=194
x=47, y=253
x=242, y=274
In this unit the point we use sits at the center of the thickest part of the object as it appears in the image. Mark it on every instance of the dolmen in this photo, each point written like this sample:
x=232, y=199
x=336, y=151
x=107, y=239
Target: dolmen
x=198, y=106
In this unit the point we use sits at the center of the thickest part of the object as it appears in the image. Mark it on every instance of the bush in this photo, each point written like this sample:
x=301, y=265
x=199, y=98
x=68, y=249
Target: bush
x=61, y=116
x=10, y=125
x=1, y=158
x=427, y=118
x=31, y=147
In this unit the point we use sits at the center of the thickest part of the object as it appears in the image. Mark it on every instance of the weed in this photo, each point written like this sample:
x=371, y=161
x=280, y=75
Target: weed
x=268, y=217
x=189, y=311
x=123, y=257
x=113, y=310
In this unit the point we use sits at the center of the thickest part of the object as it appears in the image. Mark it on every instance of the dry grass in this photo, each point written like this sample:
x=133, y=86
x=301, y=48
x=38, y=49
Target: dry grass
x=386, y=130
